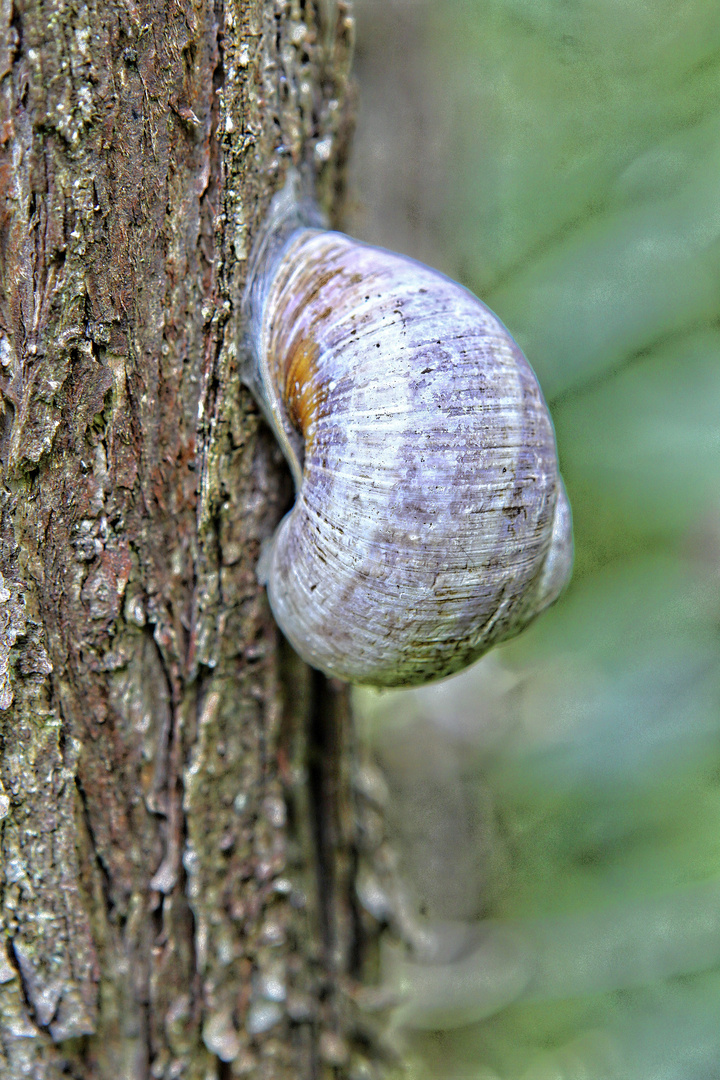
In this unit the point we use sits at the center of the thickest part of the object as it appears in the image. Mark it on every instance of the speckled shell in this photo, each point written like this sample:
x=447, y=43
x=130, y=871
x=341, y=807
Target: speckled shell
x=430, y=520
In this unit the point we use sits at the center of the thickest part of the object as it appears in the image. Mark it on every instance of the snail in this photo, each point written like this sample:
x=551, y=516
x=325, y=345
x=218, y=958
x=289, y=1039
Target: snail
x=430, y=520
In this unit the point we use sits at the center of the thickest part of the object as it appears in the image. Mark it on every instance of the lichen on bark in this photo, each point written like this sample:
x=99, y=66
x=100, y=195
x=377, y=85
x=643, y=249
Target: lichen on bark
x=165, y=817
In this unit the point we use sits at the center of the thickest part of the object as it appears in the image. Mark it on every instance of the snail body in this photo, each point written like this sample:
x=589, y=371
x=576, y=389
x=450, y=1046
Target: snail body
x=430, y=521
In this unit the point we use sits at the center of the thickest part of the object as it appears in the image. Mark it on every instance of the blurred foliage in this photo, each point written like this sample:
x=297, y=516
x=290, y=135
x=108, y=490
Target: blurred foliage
x=561, y=158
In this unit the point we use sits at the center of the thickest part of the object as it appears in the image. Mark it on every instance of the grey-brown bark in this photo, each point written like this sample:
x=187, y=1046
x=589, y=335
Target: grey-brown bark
x=169, y=797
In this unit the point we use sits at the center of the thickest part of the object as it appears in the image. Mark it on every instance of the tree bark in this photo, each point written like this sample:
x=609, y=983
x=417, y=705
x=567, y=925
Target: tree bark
x=178, y=836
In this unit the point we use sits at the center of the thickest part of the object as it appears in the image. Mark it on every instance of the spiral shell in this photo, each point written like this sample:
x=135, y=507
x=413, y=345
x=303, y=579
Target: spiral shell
x=430, y=521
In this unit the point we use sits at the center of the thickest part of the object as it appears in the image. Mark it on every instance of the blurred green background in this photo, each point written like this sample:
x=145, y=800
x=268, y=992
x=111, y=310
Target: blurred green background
x=561, y=158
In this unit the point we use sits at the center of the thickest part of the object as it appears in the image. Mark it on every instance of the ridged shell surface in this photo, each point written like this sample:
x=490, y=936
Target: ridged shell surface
x=430, y=521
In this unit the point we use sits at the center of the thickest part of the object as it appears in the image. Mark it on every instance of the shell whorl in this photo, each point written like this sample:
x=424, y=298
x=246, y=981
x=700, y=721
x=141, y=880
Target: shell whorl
x=430, y=521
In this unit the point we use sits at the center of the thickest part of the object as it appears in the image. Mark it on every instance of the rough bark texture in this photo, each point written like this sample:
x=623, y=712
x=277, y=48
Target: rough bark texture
x=177, y=836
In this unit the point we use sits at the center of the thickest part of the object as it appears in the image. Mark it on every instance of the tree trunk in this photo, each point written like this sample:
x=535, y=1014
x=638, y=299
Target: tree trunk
x=178, y=841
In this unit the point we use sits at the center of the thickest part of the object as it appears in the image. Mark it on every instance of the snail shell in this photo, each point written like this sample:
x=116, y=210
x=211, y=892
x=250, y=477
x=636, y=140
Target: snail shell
x=430, y=521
